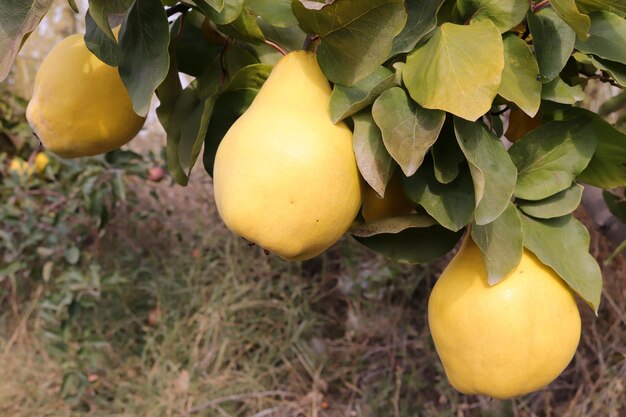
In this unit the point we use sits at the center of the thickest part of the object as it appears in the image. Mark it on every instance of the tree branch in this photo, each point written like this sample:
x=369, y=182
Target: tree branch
x=540, y=5
x=179, y=8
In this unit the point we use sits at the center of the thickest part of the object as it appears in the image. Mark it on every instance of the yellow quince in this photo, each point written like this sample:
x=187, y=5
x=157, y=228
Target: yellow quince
x=80, y=107
x=504, y=340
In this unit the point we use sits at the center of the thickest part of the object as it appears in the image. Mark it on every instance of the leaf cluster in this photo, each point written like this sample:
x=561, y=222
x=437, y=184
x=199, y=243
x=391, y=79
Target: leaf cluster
x=51, y=222
x=428, y=87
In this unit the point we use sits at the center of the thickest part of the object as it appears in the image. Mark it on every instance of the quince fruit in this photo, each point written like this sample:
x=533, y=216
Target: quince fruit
x=23, y=168
x=285, y=175
x=394, y=203
x=504, y=340
x=80, y=107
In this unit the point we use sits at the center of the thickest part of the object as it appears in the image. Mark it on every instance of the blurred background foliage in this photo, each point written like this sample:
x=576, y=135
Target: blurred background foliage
x=121, y=296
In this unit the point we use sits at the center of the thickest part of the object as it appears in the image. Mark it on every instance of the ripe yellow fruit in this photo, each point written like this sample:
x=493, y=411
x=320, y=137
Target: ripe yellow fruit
x=285, y=177
x=504, y=340
x=394, y=203
x=21, y=167
x=80, y=106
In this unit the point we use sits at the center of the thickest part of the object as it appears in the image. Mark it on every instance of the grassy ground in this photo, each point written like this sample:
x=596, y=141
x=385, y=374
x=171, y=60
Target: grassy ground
x=199, y=323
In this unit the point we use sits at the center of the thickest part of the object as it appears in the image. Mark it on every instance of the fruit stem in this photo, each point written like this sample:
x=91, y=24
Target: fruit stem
x=275, y=46
x=308, y=41
x=539, y=5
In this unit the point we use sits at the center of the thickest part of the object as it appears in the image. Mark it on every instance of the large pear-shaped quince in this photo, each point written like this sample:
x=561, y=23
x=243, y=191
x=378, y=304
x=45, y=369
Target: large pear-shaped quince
x=285, y=175
x=504, y=340
x=80, y=106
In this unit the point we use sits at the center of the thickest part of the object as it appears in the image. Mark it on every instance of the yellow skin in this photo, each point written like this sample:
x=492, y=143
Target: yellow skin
x=285, y=176
x=21, y=167
x=505, y=340
x=393, y=204
x=80, y=106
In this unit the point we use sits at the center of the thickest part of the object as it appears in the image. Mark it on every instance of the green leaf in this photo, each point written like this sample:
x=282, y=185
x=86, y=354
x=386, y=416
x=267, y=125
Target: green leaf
x=356, y=35
x=607, y=168
x=549, y=157
x=250, y=77
x=494, y=124
x=447, y=154
x=315, y=4
x=105, y=48
x=231, y=11
x=169, y=92
x=244, y=28
x=144, y=40
x=195, y=122
x=408, y=129
x=616, y=6
x=346, y=101
x=613, y=104
x=553, y=40
x=414, y=244
x=616, y=204
x=291, y=38
x=72, y=255
x=230, y=105
x=184, y=117
x=275, y=12
x=100, y=10
x=238, y=57
x=193, y=53
x=559, y=92
x=217, y=5
x=617, y=70
x=563, y=245
x=557, y=205
x=457, y=70
x=391, y=225
x=452, y=205
x=373, y=160
x=519, y=76
x=568, y=11
x=228, y=108
x=505, y=14
x=422, y=19
x=501, y=244
x=493, y=172
x=608, y=37
x=19, y=18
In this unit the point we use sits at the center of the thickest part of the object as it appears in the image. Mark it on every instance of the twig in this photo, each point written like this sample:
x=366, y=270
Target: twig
x=239, y=397
x=275, y=46
x=43, y=191
x=536, y=6
x=179, y=8
x=52, y=207
x=266, y=412
x=21, y=327
x=605, y=79
x=621, y=248
x=33, y=155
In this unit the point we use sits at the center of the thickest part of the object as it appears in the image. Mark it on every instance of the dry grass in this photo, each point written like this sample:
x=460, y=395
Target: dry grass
x=207, y=326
